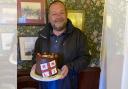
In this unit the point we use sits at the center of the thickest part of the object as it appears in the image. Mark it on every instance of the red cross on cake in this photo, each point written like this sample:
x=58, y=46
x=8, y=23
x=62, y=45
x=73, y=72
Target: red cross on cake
x=46, y=64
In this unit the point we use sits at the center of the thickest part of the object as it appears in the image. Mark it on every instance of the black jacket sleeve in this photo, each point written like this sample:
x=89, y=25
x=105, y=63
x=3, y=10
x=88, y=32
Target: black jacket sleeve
x=37, y=49
x=83, y=57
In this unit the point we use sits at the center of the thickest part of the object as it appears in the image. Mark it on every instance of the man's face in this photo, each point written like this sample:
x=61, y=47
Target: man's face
x=58, y=16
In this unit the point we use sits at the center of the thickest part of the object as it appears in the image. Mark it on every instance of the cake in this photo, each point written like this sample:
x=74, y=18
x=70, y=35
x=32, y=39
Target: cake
x=46, y=64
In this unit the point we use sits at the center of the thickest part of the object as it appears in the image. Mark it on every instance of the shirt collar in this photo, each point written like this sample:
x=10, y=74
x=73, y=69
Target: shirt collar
x=51, y=33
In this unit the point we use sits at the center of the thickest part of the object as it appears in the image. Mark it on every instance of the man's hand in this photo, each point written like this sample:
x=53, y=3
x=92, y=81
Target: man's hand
x=64, y=71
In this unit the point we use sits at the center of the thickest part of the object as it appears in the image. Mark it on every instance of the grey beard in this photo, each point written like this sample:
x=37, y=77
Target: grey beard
x=58, y=28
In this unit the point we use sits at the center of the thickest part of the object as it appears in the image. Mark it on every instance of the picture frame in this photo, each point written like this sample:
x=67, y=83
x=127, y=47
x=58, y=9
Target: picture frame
x=31, y=12
x=77, y=18
x=26, y=45
x=7, y=42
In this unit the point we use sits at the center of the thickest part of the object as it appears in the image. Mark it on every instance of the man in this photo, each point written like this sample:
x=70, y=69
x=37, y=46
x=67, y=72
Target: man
x=61, y=37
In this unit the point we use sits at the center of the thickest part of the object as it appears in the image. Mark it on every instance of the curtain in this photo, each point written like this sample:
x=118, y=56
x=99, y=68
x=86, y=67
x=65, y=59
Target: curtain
x=114, y=53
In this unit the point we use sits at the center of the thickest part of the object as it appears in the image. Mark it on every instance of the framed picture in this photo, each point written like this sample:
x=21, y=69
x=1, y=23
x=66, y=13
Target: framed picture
x=31, y=12
x=7, y=42
x=77, y=18
x=26, y=47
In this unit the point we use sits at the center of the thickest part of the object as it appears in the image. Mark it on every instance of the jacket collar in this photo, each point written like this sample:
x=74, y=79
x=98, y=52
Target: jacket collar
x=45, y=33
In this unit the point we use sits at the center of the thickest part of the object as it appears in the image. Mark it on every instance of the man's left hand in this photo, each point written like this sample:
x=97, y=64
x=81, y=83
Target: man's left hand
x=64, y=71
